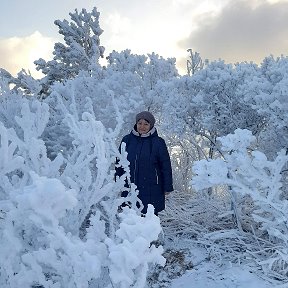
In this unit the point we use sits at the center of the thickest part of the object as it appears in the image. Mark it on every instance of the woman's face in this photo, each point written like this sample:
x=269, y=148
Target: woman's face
x=143, y=126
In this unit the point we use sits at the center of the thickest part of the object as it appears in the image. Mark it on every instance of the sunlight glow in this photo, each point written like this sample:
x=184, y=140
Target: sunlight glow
x=20, y=52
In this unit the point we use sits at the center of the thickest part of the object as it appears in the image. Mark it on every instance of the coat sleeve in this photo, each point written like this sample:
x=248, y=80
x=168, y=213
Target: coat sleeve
x=165, y=166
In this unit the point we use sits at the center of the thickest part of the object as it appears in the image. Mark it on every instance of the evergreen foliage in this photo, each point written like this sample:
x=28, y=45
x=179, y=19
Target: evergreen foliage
x=226, y=126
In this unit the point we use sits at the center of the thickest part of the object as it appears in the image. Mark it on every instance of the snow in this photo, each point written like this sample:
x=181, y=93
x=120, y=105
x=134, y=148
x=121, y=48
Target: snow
x=208, y=272
x=60, y=219
x=209, y=275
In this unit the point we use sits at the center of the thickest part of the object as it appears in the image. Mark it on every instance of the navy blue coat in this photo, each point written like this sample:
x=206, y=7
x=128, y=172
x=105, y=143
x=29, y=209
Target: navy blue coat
x=150, y=167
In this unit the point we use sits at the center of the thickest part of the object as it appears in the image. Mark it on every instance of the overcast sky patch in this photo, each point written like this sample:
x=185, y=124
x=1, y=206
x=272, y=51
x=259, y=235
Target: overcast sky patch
x=241, y=32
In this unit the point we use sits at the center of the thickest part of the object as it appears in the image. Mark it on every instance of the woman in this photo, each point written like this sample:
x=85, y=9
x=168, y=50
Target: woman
x=150, y=166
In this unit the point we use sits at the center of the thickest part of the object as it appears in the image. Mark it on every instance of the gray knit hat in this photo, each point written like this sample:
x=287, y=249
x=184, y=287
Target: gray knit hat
x=146, y=115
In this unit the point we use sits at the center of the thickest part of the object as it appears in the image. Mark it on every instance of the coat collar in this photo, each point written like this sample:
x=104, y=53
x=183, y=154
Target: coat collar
x=151, y=132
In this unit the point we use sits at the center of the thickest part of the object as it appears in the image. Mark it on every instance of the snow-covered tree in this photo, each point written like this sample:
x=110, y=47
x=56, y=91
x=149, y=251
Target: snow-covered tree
x=209, y=103
x=196, y=109
x=99, y=96
x=266, y=92
x=81, y=51
x=24, y=82
x=44, y=204
x=60, y=218
x=5, y=79
x=255, y=186
x=195, y=62
x=146, y=71
x=126, y=81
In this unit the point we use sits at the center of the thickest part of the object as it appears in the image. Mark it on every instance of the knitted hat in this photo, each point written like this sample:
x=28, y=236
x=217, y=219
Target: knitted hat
x=146, y=116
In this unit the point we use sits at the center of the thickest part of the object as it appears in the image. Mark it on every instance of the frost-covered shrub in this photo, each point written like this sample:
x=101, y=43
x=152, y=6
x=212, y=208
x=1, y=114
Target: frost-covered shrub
x=44, y=203
x=265, y=92
x=103, y=97
x=131, y=253
x=254, y=180
x=25, y=151
x=10, y=105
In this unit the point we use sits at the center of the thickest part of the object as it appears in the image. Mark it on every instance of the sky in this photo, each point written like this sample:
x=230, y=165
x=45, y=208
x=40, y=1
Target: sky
x=232, y=30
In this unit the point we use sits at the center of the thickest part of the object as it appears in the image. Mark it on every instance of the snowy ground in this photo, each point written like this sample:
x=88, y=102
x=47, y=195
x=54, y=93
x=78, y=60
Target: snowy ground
x=207, y=274
x=211, y=276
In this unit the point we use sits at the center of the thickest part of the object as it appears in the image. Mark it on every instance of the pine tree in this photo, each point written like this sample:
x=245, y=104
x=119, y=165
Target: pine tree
x=81, y=51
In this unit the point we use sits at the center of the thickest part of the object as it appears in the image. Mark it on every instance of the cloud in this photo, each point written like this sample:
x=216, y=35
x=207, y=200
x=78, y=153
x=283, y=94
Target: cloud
x=20, y=52
x=242, y=31
x=117, y=23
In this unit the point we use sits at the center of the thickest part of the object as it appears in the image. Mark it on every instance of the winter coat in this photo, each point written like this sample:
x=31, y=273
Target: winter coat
x=150, y=167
